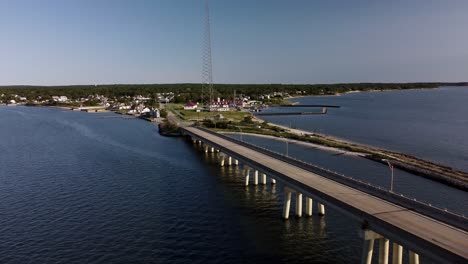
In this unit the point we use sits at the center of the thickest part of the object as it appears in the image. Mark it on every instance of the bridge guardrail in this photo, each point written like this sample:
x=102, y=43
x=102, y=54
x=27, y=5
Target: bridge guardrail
x=440, y=214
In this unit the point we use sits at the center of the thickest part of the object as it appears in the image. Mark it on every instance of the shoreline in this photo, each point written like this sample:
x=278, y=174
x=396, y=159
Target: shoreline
x=358, y=91
x=414, y=165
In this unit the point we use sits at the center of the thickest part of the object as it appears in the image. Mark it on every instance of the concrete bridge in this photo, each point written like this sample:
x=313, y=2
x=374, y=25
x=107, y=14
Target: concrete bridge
x=419, y=228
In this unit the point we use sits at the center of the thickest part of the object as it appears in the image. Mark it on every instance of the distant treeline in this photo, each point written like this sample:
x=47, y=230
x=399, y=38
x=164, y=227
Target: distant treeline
x=192, y=91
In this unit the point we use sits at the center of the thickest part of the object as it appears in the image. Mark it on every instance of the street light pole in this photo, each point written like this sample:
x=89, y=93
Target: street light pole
x=391, y=177
x=240, y=133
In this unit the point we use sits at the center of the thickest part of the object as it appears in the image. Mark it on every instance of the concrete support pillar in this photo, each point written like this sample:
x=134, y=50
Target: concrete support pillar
x=236, y=162
x=298, y=204
x=194, y=141
x=263, y=178
x=413, y=258
x=368, y=247
x=256, y=177
x=287, y=203
x=229, y=161
x=199, y=142
x=217, y=150
x=273, y=181
x=221, y=163
x=247, y=176
x=397, y=255
x=212, y=150
x=308, y=206
x=367, y=251
x=206, y=149
x=383, y=250
x=321, y=209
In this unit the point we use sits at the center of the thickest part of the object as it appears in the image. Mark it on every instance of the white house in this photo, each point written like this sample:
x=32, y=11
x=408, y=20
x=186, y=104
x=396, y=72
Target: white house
x=61, y=99
x=145, y=110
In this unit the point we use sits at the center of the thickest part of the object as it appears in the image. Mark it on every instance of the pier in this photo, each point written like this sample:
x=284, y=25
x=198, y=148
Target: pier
x=386, y=217
x=323, y=112
x=310, y=105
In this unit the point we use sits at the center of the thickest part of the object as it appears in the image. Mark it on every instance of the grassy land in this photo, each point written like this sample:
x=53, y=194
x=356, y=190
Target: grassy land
x=187, y=115
x=231, y=115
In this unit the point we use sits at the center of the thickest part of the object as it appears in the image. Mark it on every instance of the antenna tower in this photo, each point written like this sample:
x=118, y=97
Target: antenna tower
x=207, y=72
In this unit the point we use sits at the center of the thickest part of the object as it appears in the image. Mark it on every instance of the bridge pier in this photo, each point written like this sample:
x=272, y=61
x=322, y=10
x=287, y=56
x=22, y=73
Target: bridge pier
x=206, y=148
x=230, y=161
x=397, y=255
x=212, y=150
x=367, y=251
x=236, y=162
x=264, y=178
x=247, y=176
x=309, y=206
x=383, y=250
x=298, y=204
x=368, y=247
x=321, y=209
x=287, y=203
x=256, y=177
x=221, y=163
x=413, y=258
x=273, y=181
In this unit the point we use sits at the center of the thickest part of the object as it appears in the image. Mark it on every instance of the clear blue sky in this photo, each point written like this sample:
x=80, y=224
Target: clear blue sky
x=53, y=42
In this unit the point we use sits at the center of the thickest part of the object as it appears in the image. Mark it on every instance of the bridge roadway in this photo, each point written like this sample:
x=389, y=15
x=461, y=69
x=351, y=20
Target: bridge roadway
x=434, y=239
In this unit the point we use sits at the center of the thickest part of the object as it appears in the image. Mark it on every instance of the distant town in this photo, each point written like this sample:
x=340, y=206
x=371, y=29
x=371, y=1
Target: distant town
x=147, y=105
x=151, y=100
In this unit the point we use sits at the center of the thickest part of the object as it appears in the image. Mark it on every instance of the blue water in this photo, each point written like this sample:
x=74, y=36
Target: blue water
x=95, y=188
x=84, y=188
x=431, y=124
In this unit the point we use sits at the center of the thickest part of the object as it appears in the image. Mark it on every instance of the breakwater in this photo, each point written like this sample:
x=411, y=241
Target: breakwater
x=311, y=105
x=291, y=113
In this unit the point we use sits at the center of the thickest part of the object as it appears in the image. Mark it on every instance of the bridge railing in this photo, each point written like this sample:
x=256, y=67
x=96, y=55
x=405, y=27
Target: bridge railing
x=441, y=214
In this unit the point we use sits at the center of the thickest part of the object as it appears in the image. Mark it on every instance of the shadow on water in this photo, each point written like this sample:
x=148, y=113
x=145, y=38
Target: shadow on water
x=258, y=209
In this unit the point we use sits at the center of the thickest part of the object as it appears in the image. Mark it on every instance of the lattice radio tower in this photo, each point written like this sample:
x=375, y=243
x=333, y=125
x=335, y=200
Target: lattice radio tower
x=207, y=72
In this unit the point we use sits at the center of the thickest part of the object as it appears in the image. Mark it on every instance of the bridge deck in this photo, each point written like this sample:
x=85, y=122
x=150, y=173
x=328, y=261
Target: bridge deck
x=434, y=232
